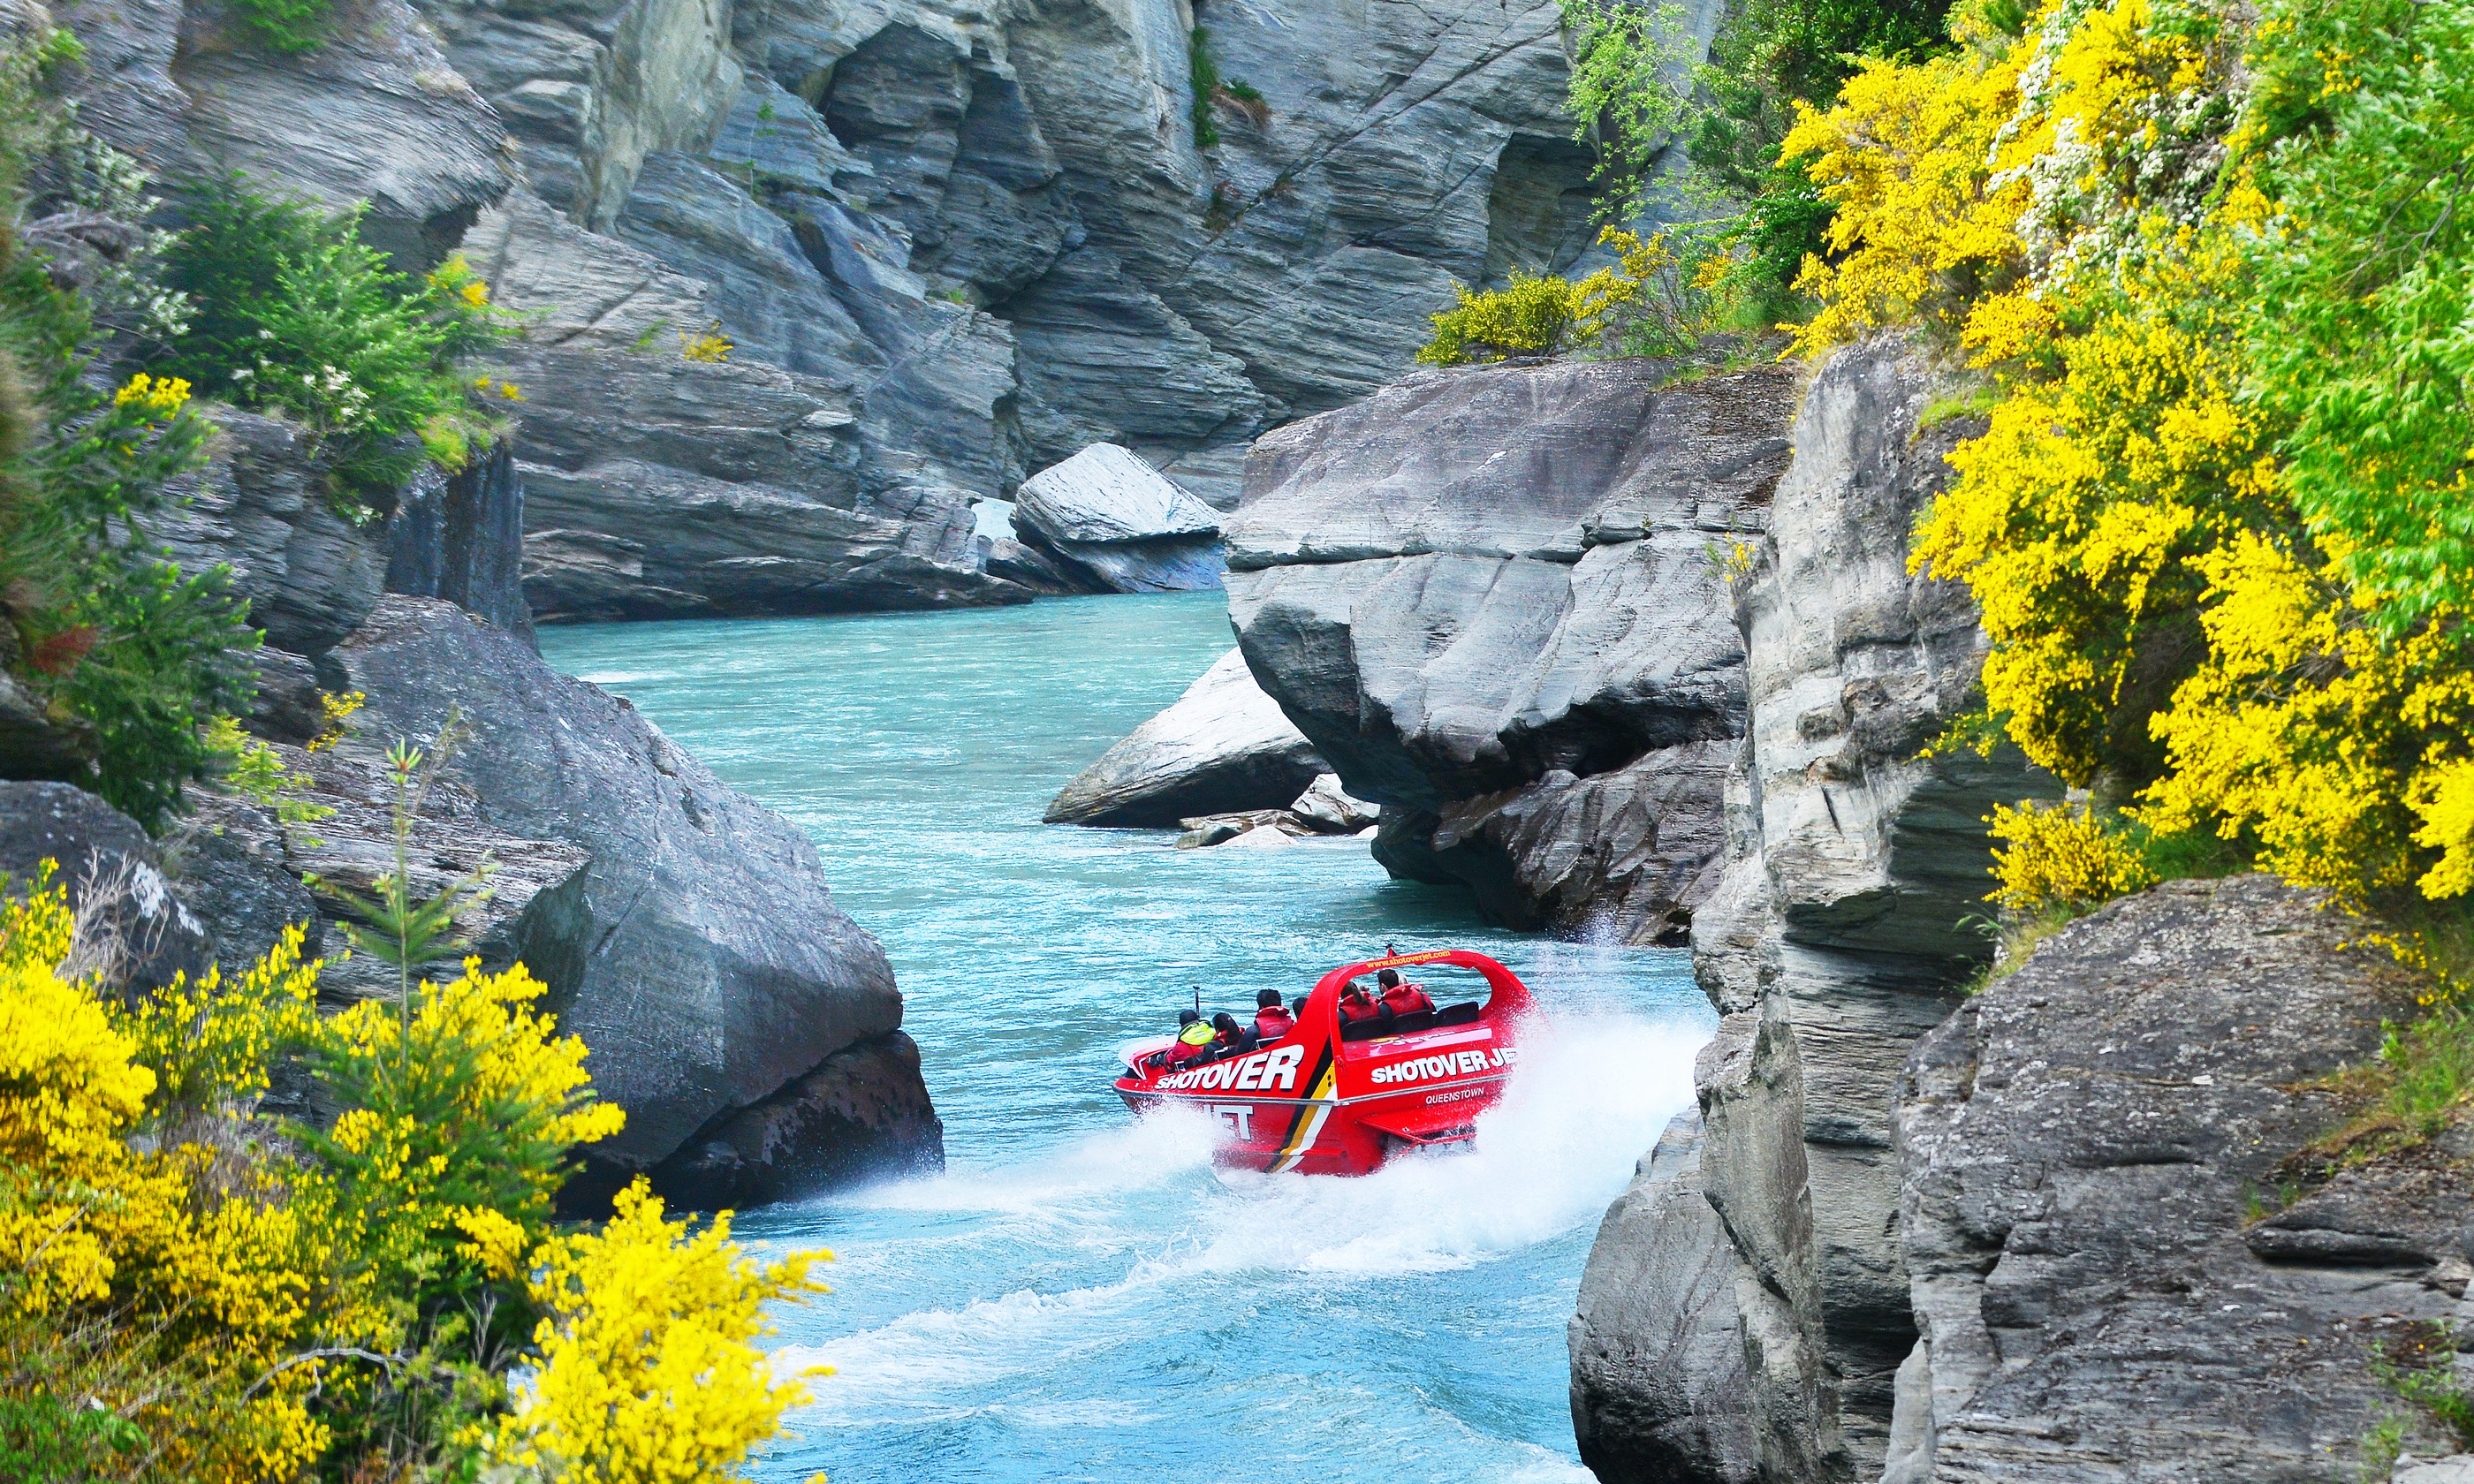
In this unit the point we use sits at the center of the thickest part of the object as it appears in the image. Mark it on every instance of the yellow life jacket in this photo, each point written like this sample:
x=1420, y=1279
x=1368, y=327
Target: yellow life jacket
x=1199, y=1034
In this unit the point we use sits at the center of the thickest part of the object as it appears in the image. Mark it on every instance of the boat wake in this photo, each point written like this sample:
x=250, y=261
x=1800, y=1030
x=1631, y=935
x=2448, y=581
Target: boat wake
x=1130, y=1239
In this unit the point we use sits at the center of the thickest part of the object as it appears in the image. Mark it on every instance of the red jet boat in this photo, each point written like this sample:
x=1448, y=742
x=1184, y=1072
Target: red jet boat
x=1335, y=1098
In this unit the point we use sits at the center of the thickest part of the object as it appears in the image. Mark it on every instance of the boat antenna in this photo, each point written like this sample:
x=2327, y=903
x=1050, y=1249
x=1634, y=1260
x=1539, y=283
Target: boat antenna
x=1198, y=999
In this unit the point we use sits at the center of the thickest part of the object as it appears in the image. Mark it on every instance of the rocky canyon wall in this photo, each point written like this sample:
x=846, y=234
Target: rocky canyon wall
x=948, y=243
x=1833, y=938
x=1911, y=1236
x=1493, y=600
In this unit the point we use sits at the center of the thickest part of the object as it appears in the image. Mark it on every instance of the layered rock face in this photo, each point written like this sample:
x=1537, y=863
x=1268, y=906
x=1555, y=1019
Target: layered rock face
x=809, y=276
x=1834, y=938
x=2086, y=1146
x=1495, y=600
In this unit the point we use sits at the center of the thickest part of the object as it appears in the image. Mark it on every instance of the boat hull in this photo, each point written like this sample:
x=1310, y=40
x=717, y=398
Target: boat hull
x=1335, y=1099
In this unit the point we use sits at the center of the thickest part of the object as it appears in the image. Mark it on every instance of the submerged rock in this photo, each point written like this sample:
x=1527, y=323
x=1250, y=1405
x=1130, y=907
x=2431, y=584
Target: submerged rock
x=2083, y=1151
x=1223, y=745
x=1107, y=511
x=1329, y=808
x=1494, y=598
x=699, y=951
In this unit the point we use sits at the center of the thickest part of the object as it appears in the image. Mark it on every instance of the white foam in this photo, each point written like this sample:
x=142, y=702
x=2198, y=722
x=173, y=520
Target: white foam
x=1592, y=1093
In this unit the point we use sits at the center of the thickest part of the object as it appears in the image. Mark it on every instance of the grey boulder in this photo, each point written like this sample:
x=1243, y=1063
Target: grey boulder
x=1329, y=809
x=1107, y=511
x=1224, y=746
x=139, y=933
x=699, y=952
x=1495, y=600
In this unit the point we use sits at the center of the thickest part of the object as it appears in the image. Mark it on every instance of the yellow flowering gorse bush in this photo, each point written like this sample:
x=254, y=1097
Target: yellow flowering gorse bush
x=257, y=1298
x=2116, y=214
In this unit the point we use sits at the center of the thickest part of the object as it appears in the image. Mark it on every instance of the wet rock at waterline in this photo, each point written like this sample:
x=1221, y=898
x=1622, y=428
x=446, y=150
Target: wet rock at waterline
x=1329, y=809
x=2084, y=1152
x=1223, y=746
x=698, y=950
x=864, y=1111
x=1494, y=599
x=1648, y=1399
x=1323, y=810
x=1107, y=514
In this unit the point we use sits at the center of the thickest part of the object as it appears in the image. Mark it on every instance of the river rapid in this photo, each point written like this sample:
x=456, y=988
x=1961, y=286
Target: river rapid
x=1081, y=1296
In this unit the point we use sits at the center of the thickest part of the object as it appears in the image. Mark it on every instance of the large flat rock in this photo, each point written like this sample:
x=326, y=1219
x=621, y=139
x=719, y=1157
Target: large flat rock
x=1224, y=746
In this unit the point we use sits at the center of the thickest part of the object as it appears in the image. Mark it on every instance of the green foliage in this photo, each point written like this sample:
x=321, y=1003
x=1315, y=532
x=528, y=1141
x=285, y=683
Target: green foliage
x=2420, y=1365
x=1636, y=95
x=99, y=625
x=49, y=1438
x=1205, y=76
x=1631, y=92
x=2365, y=305
x=297, y=315
x=287, y=26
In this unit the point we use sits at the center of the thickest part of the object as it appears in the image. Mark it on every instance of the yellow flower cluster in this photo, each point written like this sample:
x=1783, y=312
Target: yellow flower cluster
x=2082, y=210
x=155, y=397
x=216, y=1272
x=646, y=1375
x=2062, y=855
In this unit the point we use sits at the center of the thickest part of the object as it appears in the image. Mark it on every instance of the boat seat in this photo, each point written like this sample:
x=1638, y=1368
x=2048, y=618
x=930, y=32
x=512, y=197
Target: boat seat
x=1467, y=1012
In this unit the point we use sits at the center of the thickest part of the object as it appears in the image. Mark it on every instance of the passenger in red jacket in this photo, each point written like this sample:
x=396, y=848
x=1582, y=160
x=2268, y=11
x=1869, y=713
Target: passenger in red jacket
x=1357, y=1002
x=1402, y=998
x=1193, y=1039
x=1272, y=1019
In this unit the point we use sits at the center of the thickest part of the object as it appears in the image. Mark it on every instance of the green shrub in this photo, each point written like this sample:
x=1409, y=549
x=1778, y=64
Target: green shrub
x=1653, y=300
x=1205, y=75
x=296, y=314
x=1531, y=316
x=287, y=26
x=1635, y=95
x=99, y=626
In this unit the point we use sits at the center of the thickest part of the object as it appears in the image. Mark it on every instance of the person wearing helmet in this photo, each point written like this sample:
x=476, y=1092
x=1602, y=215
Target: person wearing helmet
x=1192, y=1043
x=1272, y=1019
x=1402, y=998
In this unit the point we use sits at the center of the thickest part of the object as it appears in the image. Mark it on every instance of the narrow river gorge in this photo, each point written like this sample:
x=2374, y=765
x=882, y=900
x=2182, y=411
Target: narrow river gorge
x=1081, y=1297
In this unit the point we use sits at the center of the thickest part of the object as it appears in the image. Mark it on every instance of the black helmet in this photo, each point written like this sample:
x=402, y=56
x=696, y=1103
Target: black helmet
x=1266, y=998
x=1388, y=977
x=1188, y=1016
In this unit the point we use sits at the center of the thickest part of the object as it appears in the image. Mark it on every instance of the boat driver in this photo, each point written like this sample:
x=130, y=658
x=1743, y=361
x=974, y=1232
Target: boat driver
x=1402, y=998
x=1272, y=1019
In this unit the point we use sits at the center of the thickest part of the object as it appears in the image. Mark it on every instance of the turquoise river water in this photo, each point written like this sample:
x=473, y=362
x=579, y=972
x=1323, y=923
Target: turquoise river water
x=1081, y=1296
